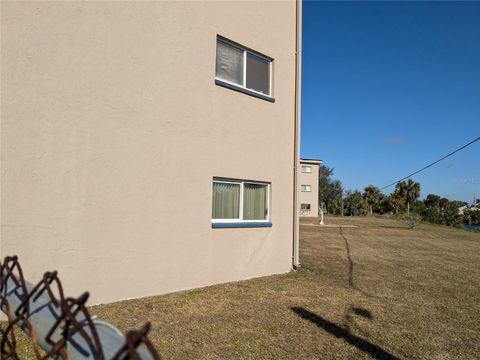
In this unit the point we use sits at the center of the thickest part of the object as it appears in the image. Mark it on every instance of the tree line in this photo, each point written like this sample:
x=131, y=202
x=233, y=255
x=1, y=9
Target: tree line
x=403, y=201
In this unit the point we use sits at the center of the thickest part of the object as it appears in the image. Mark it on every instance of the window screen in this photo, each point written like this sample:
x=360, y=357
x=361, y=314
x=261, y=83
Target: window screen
x=229, y=66
x=258, y=73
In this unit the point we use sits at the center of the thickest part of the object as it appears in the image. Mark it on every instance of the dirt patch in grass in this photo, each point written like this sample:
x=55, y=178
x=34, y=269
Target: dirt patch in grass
x=376, y=290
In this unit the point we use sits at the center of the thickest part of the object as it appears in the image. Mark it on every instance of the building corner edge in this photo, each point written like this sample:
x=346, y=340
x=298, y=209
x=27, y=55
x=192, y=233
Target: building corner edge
x=297, y=124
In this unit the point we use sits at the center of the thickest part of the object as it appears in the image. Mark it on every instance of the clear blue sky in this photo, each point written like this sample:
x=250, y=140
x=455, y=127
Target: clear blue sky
x=388, y=87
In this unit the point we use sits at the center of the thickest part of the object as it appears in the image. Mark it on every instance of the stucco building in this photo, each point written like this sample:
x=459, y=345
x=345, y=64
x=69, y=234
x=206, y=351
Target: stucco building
x=150, y=147
x=308, y=182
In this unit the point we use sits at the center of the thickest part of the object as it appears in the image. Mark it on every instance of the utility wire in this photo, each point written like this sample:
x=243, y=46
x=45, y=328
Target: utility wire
x=429, y=165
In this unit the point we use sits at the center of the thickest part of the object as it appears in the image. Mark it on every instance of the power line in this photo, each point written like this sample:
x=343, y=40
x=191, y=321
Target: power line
x=429, y=165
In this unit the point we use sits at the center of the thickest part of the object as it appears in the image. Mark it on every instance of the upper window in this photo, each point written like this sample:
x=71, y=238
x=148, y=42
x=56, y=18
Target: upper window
x=240, y=201
x=306, y=188
x=243, y=69
x=307, y=169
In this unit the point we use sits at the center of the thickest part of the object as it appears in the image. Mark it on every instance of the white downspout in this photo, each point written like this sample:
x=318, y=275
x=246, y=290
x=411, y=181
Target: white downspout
x=296, y=164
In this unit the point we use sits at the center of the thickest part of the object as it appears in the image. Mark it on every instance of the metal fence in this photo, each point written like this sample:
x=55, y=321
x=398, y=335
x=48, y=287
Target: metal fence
x=61, y=327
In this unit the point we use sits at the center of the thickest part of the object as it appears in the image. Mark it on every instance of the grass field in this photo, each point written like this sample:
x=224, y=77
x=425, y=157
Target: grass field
x=375, y=290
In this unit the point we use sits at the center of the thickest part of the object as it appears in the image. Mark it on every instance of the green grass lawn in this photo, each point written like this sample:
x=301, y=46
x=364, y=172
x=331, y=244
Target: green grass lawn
x=376, y=290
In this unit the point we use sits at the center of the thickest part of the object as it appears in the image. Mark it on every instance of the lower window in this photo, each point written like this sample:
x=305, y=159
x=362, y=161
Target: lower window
x=305, y=206
x=236, y=201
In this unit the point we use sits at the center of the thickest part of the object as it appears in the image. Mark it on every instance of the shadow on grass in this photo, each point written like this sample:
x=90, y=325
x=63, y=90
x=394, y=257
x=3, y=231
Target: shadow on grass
x=362, y=312
x=351, y=322
x=350, y=261
x=351, y=265
x=339, y=332
x=393, y=227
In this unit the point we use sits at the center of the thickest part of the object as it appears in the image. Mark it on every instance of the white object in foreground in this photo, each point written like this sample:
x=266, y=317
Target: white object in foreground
x=320, y=211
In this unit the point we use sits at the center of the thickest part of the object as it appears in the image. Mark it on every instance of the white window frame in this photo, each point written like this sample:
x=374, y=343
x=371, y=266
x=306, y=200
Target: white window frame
x=305, y=209
x=305, y=187
x=305, y=169
x=244, y=85
x=240, y=212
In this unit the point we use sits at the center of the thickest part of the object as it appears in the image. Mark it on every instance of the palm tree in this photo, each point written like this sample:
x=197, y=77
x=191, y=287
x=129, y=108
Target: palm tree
x=409, y=190
x=372, y=196
x=396, y=200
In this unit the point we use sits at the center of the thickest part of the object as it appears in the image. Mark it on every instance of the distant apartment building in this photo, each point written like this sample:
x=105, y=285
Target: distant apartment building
x=308, y=181
x=150, y=147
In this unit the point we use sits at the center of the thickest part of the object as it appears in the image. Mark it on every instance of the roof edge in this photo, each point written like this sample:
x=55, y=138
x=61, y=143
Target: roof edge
x=311, y=161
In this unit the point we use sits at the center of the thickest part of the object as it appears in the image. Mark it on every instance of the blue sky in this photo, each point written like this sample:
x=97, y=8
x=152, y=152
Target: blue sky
x=388, y=87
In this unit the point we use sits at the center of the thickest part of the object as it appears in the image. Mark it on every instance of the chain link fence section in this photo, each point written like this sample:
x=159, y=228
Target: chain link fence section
x=61, y=327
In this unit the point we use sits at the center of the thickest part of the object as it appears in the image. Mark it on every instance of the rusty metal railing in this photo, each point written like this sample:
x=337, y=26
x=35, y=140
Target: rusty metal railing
x=61, y=327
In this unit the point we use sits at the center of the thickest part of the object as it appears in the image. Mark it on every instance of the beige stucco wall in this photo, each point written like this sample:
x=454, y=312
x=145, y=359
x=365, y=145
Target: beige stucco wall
x=312, y=180
x=112, y=130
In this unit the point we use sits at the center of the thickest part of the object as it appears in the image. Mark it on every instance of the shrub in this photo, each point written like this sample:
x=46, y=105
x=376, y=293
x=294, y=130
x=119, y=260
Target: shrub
x=472, y=216
x=412, y=219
